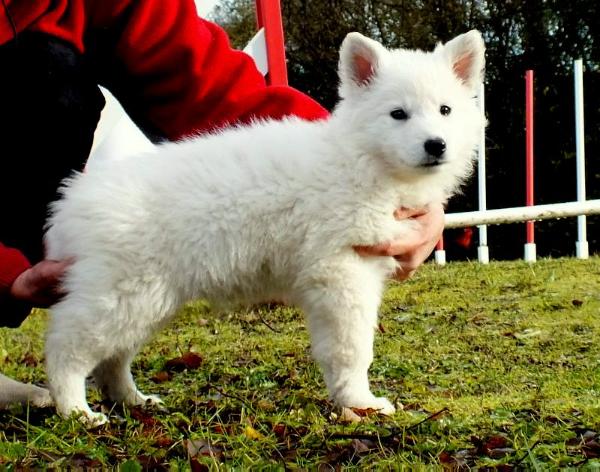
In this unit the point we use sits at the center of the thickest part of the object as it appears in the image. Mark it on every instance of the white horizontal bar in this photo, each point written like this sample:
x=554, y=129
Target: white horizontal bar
x=518, y=214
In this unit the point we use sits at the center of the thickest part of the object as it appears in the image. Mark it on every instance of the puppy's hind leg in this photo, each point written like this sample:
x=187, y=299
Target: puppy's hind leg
x=73, y=348
x=67, y=370
x=113, y=377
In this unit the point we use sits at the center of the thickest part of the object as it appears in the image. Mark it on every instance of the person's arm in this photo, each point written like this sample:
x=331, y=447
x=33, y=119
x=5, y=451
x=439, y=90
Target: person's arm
x=12, y=264
x=176, y=74
x=40, y=284
x=23, y=286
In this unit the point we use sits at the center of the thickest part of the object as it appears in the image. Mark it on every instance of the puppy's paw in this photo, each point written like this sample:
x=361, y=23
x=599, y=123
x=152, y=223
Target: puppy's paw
x=154, y=401
x=92, y=420
x=382, y=406
x=85, y=416
x=356, y=410
x=138, y=398
x=41, y=398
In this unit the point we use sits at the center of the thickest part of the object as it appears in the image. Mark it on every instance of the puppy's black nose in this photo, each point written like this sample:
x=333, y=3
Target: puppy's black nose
x=435, y=147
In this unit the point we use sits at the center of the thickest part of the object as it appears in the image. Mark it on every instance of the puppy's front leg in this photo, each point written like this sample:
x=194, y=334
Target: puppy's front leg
x=341, y=310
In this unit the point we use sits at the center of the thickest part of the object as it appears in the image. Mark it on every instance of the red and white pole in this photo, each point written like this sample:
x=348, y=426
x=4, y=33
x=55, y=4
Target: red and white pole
x=530, y=248
x=440, y=253
x=268, y=16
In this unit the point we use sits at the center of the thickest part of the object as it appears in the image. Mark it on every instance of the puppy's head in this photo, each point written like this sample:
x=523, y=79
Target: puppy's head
x=414, y=110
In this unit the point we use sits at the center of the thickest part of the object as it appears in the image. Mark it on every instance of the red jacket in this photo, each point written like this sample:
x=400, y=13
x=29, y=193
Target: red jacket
x=176, y=70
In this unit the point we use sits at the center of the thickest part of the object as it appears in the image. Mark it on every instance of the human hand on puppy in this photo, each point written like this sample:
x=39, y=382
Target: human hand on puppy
x=39, y=285
x=413, y=248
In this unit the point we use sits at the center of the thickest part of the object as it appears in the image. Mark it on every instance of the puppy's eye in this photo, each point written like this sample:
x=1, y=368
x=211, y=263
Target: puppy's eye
x=399, y=114
x=445, y=110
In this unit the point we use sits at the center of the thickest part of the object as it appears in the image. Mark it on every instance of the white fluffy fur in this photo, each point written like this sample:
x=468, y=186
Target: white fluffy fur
x=261, y=212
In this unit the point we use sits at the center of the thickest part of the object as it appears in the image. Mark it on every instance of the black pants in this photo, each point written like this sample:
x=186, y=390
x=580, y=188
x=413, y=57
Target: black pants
x=49, y=108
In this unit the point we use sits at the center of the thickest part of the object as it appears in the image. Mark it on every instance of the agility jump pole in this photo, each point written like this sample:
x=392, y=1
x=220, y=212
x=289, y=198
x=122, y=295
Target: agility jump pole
x=520, y=214
x=269, y=20
x=530, y=248
x=581, y=245
x=440, y=253
x=482, y=250
x=483, y=254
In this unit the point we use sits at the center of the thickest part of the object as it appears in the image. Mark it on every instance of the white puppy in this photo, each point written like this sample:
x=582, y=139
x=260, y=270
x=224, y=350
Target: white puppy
x=261, y=212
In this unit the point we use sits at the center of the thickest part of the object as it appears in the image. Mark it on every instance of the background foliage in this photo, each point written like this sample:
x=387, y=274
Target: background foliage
x=543, y=35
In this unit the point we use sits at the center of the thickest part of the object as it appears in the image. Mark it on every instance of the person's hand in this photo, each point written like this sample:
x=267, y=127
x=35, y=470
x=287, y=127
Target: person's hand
x=40, y=285
x=415, y=246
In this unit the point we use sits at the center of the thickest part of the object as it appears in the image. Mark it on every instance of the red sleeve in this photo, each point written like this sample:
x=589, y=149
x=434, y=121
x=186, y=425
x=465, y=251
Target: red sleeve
x=179, y=72
x=12, y=264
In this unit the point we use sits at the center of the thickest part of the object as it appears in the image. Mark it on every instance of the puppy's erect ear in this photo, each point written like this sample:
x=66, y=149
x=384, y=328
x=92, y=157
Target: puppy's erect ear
x=360, y=58
x=466, y=55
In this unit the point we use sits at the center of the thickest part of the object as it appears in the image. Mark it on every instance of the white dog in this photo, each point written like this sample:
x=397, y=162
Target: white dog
x=261, y=212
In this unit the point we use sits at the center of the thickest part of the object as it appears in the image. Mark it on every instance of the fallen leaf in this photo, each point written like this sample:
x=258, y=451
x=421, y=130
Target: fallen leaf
x=251, y=433
x=81, y=461
x=362, y=412
x=151, y=463
x=591, y=449
x=589, y=435
x=143, y=416
x=362, y=446
x=29, y=360
x=347, y=415
x=499, y=452
x=589, y=441
x=161, y=377
x=190, y=360
x=495, y=442
x=202, y=448
x=280, y=430
x=196, y=466
x=445, y=457
x=460, y=460
x=163, y=442
x=222, y=429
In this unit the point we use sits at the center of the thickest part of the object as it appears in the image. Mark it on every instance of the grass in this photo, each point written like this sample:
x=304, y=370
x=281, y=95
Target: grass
x=497, y=367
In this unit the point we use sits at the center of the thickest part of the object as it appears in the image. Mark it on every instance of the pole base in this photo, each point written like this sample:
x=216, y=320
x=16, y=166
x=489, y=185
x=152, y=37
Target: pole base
x=483, y=254
x=440, y=257
x=530, y=252
x=582, y=250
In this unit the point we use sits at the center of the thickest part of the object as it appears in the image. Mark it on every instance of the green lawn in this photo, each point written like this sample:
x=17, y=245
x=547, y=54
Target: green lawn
x=497, y=367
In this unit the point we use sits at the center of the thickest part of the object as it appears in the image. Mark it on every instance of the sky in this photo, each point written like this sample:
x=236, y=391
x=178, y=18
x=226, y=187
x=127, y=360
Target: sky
x=205, y=6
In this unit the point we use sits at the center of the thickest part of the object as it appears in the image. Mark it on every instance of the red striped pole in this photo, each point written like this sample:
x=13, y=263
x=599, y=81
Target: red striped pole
x=530, y=244
x=268, y=15
x=440, y=253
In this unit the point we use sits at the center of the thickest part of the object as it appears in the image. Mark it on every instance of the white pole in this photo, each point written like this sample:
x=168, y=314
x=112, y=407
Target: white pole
x=515, y=215
x=482, y=251
x=581, y=246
